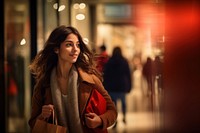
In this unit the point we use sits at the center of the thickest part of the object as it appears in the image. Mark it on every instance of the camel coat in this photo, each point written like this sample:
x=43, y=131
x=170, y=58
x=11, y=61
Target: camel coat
x=87, y=83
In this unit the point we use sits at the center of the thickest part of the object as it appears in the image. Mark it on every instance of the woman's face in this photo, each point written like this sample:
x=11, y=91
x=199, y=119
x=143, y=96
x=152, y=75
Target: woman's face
x=69, y=49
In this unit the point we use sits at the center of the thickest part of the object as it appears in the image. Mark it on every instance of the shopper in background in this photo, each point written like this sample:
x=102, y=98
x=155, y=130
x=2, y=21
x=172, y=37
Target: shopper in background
x=158, y=72
x=102, y=59
x=117, y=78
x=147, y=72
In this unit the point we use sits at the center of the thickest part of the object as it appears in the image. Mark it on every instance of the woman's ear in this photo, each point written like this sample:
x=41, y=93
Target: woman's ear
x=56, y=50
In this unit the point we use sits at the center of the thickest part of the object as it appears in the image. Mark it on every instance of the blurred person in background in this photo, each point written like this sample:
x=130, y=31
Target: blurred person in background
x=147, y=72
x=117, y=79
x=158, y=72
x=102, y=59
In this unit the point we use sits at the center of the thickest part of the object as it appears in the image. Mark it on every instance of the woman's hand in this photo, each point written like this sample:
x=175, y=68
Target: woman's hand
x=47, y=111
x=93, y=120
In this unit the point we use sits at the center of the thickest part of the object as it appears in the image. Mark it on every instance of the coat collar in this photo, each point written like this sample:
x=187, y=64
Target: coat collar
x=85, y=76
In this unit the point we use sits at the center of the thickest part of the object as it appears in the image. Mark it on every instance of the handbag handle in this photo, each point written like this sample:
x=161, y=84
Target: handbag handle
x=55, y=121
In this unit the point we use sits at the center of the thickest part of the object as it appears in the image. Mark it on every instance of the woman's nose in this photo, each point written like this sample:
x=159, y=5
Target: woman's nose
x=75, y=48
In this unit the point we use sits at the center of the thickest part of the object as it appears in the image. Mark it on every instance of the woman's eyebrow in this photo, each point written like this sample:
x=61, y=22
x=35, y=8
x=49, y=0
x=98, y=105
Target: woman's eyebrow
x=70, y=41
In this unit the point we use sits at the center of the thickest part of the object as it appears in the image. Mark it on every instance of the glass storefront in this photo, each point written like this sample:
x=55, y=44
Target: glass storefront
x=17, y=59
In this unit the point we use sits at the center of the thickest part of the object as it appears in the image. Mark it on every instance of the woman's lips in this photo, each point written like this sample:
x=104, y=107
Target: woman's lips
x=74, y=55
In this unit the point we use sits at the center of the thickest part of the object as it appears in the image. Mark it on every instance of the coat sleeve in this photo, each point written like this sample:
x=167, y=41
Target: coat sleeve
x=36, y=106
x=110, y=116
x=128, y=77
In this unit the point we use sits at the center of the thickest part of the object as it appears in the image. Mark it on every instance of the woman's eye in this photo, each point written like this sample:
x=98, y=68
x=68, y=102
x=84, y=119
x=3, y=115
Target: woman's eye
x=69, y=44
x=78, y=45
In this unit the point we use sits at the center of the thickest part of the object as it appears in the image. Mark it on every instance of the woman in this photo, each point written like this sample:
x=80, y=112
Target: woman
x=65, y=75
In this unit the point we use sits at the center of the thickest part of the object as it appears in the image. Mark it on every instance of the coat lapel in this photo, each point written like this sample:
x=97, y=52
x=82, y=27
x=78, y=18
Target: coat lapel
x=85, y=88
x=85, y=76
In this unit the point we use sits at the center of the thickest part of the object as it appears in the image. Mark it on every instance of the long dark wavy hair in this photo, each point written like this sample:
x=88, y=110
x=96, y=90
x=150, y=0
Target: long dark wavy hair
x=47, y=59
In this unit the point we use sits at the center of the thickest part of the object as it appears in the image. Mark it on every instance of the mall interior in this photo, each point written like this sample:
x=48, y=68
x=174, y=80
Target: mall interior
x=168, y=29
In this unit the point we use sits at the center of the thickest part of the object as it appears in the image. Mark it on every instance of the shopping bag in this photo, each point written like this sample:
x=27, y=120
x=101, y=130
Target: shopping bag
x=42, y=126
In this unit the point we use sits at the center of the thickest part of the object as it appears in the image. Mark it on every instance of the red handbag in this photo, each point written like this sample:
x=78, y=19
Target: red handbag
x=96, y=103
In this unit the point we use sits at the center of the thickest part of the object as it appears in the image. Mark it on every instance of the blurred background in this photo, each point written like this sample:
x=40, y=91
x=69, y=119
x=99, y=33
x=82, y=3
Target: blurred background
x=143, y=29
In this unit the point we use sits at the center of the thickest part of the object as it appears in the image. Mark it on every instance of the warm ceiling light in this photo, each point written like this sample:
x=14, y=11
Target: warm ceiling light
x=82, y=5
x=80, y=16
x=23, y=42
x=76, y=6
x=55, y=6
x=61, y=8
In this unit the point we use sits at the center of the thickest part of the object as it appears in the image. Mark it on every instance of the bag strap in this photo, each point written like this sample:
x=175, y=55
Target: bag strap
x=54, y=118
x=55, y=121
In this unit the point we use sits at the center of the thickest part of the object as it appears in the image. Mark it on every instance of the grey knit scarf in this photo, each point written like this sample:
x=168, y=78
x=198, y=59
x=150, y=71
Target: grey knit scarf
x=66, y=106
